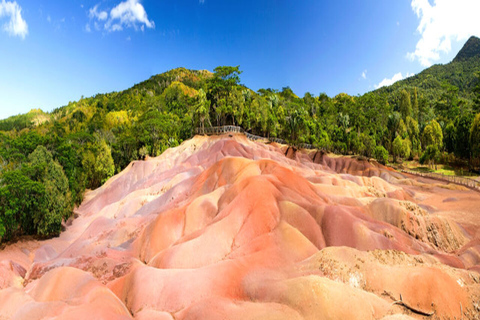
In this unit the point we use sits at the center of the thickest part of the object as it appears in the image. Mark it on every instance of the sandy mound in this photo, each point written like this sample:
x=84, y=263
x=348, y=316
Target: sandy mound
x=226, y=228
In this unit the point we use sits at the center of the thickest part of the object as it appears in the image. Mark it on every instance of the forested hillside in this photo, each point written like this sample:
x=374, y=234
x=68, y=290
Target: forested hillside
x=48, y=160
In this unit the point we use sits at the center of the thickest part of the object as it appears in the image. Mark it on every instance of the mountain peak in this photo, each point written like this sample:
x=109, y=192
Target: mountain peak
x=469, y=50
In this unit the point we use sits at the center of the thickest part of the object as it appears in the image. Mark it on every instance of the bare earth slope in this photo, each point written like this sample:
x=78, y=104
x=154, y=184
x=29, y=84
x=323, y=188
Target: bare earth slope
x=226, y=228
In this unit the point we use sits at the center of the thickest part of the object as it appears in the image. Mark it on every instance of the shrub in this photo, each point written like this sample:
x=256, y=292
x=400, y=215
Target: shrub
x=381, y=155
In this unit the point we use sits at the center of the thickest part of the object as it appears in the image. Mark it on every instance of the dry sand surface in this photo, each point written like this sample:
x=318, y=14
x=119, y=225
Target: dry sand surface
x=226, y=228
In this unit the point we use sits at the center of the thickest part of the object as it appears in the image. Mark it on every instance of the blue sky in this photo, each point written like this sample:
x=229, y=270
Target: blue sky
x=53, y=52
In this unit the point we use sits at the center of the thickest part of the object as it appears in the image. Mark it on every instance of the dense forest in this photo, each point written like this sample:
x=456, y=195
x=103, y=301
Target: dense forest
x=48, y=160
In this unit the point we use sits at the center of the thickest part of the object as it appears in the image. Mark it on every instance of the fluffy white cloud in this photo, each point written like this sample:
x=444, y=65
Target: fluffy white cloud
x=127, y=14
x=364, y=74
x=396, y=77
x=442, y=22
x=16, y=26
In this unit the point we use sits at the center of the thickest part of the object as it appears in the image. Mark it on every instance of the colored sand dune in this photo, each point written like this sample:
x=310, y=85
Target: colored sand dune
x=226, y=228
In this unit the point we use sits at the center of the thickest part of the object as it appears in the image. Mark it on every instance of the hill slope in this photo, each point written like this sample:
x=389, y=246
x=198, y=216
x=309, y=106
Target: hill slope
x=461, y=73
x=471, y=49
x=226, y=228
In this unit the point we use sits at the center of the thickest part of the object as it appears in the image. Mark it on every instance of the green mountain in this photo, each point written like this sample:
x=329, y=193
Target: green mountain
x=471, y=49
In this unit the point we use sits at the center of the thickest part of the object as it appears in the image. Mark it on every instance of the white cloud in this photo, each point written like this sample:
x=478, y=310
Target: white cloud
x=16, y=26
x=364, y=74
x=87, y=28
x=116, y=27
x=440, y=24
x=396, y=77
x=129, y=13
x=100, y=15
x=126, y=14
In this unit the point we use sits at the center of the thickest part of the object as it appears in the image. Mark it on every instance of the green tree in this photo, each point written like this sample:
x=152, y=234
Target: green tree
x=450, y=137
x=430, y=155
x=413, y=132
x=224, y=79
x=57, y=203
x=295, y=120
x=343, y=122
x=355, y=143
x=447, y=105
x=68, y=153
x=369, y=143
x=311, y=103
x=237, y=102
x=426, y=112
x=405, y=106
x=125, y=149
x=154, y=129
x=104, y=166
x=401, y=148
x=394, y=125
x=397, y=148
x=462, y=146
x=34, y=198
x=432, y=135
x=20, y=199
x=475, y=140
x=98, y=164
x=201, y=108
x=381, y=155
x=476, y=92
x=174, y=99
x=323, y=140
x=415, y=108
x=432, y=138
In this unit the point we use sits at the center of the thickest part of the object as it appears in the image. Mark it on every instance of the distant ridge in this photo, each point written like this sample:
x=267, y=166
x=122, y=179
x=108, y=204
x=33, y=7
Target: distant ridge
x=470, y=49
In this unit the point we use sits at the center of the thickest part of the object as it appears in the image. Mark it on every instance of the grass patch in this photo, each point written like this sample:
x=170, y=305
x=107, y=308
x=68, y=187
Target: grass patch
x=441, y=169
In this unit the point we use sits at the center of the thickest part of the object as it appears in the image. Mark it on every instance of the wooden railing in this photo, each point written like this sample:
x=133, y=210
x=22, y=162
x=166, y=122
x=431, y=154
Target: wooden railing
x=253, y=137
x=219, y=130
x=467, y=182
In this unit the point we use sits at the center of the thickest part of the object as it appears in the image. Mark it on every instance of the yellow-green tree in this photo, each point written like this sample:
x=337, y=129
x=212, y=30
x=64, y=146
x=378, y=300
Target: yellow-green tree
x=432, y=135
x=405, y=104
x=413, y=134
x=401, y=148
x=98, y=164
x=432, y=139
x=201, y=108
